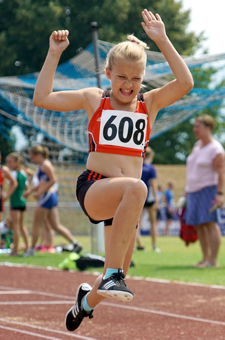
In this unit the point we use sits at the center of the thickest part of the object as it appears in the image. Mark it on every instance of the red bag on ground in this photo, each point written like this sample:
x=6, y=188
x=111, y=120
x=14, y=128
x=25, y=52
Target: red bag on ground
x=187, y=232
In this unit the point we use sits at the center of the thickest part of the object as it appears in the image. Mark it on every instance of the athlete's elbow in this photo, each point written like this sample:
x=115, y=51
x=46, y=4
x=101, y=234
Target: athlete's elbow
x=186, y=87
x=38, y=100
x=188, y=84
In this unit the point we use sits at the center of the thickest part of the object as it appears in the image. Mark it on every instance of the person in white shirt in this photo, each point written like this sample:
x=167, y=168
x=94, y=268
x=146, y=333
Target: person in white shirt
x=205, y=172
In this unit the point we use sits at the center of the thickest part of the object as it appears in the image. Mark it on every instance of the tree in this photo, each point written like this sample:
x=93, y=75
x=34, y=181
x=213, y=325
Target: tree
x=25, y=27
x=174, y=146
x=7, y=145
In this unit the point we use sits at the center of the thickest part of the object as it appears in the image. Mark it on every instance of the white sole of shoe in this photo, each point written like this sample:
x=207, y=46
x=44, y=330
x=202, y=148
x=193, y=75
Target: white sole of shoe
x=120, y=296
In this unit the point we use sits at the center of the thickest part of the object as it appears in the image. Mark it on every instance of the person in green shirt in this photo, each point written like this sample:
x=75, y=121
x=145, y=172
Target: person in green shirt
x=17, y=201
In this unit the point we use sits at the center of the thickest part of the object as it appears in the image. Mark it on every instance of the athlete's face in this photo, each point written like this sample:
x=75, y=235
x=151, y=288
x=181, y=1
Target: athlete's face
x=126, y=77
x=36, y=159
x=11, y=163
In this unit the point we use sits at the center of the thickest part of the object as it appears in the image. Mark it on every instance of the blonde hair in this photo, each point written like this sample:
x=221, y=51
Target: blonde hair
x=133, y=49
x=207, y=121
x=39, y=149
x=17, y=158
x=30, y=172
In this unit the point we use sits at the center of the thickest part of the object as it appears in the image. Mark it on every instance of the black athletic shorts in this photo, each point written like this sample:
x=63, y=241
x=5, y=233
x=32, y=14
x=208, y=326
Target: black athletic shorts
x=1, y=205
x=149, y=204
x=169, y=216
x=84, y=181
x=18, y=208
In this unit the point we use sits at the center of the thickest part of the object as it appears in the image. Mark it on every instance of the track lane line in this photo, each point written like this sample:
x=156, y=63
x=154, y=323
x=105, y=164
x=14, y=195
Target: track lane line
x=8, y=292
x=78, y=336
x=173, y=315
x=29, y=333
x=180, y=316
x=58, y=302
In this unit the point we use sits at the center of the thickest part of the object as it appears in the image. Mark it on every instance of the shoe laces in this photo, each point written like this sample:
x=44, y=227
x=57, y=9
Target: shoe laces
x=120, y=277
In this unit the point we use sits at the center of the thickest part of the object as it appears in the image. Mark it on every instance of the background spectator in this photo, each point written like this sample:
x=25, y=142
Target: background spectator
x=205, y=172
x=17, y=201
x=149, y=178
x=5, y=174
x=160, y=202
x=168, y=197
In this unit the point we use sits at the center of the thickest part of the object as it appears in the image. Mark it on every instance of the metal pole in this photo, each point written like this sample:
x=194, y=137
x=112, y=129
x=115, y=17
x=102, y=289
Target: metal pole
x=94, y=29
x=100, y=237
x=100, y=226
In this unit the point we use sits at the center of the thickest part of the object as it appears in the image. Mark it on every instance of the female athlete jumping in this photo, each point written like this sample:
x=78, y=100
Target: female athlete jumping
x=121, y=119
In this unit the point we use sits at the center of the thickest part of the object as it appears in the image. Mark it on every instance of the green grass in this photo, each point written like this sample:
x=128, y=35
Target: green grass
x=174, y=263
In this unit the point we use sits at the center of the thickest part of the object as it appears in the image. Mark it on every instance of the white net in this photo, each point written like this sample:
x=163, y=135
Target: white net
x=65, y=133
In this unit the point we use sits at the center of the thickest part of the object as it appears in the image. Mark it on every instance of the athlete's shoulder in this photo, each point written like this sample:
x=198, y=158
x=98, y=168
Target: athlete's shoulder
x=92, y=92
x=46, y=165
x=47, y=162
x=93, y=97
x=5, y=170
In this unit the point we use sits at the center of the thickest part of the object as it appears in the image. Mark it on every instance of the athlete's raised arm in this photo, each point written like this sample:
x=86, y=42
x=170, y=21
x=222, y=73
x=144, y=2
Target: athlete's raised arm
x=44, y=96
x=183, y=82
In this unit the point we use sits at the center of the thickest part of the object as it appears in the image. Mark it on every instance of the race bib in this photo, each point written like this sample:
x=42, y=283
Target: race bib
x=122, y=128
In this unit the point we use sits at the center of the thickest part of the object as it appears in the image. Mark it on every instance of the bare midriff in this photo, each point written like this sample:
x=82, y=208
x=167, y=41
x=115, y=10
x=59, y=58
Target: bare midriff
x=113, y=165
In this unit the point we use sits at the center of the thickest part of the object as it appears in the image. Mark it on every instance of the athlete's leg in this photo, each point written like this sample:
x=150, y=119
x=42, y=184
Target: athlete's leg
x=153, y=221
x=47, y=233
x=0, y=221
x=53, y=219
x=39, y=216
x=14, y=214
x=93, y=297
x=87, y=297
x=120, y=198
x=168, y=222
x=23, y=229
x=139, y=242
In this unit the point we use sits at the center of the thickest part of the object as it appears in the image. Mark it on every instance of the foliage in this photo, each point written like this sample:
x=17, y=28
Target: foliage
x=25, y=27
x=6, y=146
x=174, y=146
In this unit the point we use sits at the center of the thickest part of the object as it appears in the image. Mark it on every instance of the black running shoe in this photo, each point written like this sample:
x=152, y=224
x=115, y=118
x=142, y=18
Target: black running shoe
x=75, y=315
x=115, y=287
x=77, y=248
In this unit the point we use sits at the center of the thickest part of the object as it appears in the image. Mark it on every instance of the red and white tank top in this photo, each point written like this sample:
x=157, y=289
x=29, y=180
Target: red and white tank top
x=119, y=132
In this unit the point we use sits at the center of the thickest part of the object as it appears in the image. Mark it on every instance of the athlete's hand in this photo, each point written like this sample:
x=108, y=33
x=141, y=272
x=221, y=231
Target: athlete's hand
x=37, y=195
x=153, y=26
x=26, y=193
x=59, y=41
x=4, y=196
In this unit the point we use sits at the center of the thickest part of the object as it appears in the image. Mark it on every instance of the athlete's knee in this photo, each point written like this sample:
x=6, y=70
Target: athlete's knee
x=137, y=191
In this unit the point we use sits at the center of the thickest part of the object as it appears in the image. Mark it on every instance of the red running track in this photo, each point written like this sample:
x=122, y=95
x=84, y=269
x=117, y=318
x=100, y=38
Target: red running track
x=34, y=301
